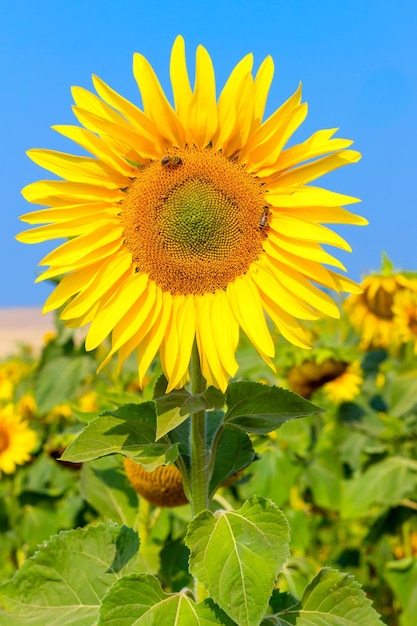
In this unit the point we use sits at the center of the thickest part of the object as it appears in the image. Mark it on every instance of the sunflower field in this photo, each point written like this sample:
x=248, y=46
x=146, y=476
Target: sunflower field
x=218, y=446
x=346, y=478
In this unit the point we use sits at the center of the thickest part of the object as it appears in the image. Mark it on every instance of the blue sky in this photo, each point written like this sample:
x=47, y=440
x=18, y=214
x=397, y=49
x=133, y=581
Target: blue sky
x=357, y=60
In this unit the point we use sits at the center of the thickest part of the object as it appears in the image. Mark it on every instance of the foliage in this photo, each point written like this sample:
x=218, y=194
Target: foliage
x=332, y=527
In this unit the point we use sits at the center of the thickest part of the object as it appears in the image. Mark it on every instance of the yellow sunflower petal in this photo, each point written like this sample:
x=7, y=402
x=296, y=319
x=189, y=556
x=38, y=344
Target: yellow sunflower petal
x=202, y=111
x=263, y=82
x=301, y=229
x=246, y=306
x=305, y=196
x=318, y=144
x=136, y=147
x=129, y=346
x=286, y=323
x=140, y=122
x=306, y=173
x=112, y=273
x=309, y=250
x=296, y=283
x=112, y=312
x=97, y=146
x=89, y=210
x=70, y=285
x=155, y=104
x=180, y=81
x=71, y=228
x=278, y=293
x=175, y=356
x=150, y=344
x=229, y=101
x=92, y=245
x=62, y=193
x=212, y=367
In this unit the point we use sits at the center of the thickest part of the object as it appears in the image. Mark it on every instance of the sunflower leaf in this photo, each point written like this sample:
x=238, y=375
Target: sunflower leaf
x=234, y=452
x=334, y=599
x=384, y=483
x=237, y=556
x=64, y=582
x=129, y=430
x=107, y=489
x=139, y=598
x=60, y=379
x=175, y=407
x=258, y=408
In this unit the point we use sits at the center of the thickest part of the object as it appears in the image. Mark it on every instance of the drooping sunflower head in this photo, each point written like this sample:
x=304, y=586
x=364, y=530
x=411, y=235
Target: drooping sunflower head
x=17, y=440
x=192, y=221
x=371, y=313
x=161, y=487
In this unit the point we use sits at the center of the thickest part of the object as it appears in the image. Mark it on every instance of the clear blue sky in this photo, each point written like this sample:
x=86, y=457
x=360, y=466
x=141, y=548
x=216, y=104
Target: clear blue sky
x=357, y=60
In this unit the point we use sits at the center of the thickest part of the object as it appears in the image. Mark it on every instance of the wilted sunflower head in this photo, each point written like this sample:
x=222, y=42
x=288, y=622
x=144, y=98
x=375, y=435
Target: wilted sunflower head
x=371, y=312
x=17, y=440
x=191, y=221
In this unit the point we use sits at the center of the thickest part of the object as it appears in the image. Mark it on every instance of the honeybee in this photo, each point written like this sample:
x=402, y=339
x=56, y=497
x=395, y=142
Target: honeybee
x=171, y=163
x=264, y=217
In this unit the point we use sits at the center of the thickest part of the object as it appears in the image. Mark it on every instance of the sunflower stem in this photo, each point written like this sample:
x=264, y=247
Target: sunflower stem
x=199, y=455
x=197, y=442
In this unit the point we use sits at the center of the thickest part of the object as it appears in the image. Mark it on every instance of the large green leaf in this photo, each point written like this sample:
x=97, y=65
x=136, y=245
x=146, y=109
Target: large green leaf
x=400, y=393
x=105, y=487
x=60, y=380
x=402, y=578
x=237, y=555
x=234, y=452
x=138, y=600
x=65, y=581
x=258, y=408
x=332, y=599
x=130, y=430
x=384, y=483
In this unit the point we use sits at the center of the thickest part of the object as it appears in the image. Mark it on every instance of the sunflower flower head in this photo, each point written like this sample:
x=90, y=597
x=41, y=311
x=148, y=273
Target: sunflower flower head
x=347, y=386
x=161, y=487
x=372, y=312
x=312, y=374
x=405, y=316
x=17, y=440
x=191, y=221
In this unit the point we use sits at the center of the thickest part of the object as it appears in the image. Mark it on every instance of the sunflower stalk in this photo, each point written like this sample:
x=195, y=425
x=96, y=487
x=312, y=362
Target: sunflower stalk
x=198, y=441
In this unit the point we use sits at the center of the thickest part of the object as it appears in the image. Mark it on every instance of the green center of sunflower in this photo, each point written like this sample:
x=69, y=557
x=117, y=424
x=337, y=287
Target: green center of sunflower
x=198, y=220
x=194, y=221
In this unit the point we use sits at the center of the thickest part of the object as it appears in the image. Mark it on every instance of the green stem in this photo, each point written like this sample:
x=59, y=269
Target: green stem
x=200, y=476
x=197, y=442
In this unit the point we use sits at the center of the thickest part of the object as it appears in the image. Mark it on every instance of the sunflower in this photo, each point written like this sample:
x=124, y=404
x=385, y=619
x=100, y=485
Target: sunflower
x=347, y=386
x=193, y=221
x=405, y=316
x=310, y=375
x=371, y=312
x=17, y=440
x=161, y=487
